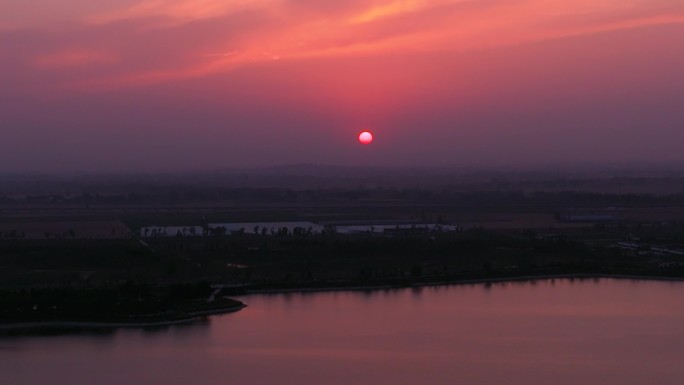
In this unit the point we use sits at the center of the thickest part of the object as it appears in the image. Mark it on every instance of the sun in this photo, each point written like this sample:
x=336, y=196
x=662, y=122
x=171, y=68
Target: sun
x=365, y=137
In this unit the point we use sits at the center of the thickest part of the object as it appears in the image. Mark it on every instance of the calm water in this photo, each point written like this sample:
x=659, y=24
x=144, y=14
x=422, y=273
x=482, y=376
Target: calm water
x=548, y=332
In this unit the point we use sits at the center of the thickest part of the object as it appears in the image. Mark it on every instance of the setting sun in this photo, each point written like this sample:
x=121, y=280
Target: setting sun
x=365, y=137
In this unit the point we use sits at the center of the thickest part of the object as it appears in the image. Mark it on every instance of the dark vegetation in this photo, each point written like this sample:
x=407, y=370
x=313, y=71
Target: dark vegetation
x=256, y=262
x=129, y=303
x=69, y=276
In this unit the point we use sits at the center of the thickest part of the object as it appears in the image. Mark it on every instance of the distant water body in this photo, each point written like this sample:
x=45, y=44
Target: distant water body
x=561, y=331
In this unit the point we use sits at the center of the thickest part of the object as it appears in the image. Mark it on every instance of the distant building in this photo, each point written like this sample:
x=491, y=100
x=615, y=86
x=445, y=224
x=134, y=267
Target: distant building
x=268, y=228
x=396, y=228
x=586, y=217
x=288, y=228
x=171, y=231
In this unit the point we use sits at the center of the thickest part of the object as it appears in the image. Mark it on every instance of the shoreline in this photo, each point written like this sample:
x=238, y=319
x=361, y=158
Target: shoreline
x=67, y=325
x=474, y=281
x=195, y=316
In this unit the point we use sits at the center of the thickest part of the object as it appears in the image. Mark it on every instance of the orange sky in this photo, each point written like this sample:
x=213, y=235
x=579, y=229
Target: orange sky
x=323, y=67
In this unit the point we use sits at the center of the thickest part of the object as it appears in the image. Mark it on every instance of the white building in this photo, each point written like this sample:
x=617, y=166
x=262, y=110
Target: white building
x=171, y=231
x=357, y=229
x=268, y=228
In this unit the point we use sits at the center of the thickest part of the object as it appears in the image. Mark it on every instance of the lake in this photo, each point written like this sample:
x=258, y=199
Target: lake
x=591, y=331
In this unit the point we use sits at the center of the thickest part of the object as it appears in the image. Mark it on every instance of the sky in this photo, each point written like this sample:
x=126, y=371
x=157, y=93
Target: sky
x=164, y=85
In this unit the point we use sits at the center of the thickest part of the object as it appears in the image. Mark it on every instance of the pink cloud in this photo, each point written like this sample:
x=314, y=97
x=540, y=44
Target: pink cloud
x=73, y=58
x=174, y=12
x=132, y=43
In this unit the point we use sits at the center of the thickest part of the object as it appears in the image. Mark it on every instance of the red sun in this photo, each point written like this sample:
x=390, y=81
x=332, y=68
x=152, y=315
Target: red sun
x=365, y=137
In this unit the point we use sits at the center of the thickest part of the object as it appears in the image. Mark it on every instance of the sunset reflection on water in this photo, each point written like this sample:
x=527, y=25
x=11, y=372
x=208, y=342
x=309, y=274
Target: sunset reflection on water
x=551, y=331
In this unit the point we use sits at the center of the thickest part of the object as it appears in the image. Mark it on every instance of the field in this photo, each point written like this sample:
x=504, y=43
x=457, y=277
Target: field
x=39, y=228
x=507, y=227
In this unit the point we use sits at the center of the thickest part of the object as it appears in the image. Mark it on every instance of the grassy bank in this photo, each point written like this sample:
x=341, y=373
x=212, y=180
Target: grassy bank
x=126, y=305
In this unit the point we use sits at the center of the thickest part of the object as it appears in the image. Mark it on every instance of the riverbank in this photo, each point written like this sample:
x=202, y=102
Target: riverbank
x=227, y=305
x=455, y=282
x=70, y=325
x=194, y=316
x=128, y=305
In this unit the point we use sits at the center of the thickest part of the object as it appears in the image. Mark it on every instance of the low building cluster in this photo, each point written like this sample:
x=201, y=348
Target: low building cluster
x=289, y=228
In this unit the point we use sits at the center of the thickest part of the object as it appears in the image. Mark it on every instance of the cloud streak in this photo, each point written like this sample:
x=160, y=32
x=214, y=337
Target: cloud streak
x=73, y=58
x=165, y=40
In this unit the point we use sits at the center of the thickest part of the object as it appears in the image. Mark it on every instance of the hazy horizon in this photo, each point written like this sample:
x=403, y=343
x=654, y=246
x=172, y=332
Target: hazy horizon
x=333, y=174
x=183, y=85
